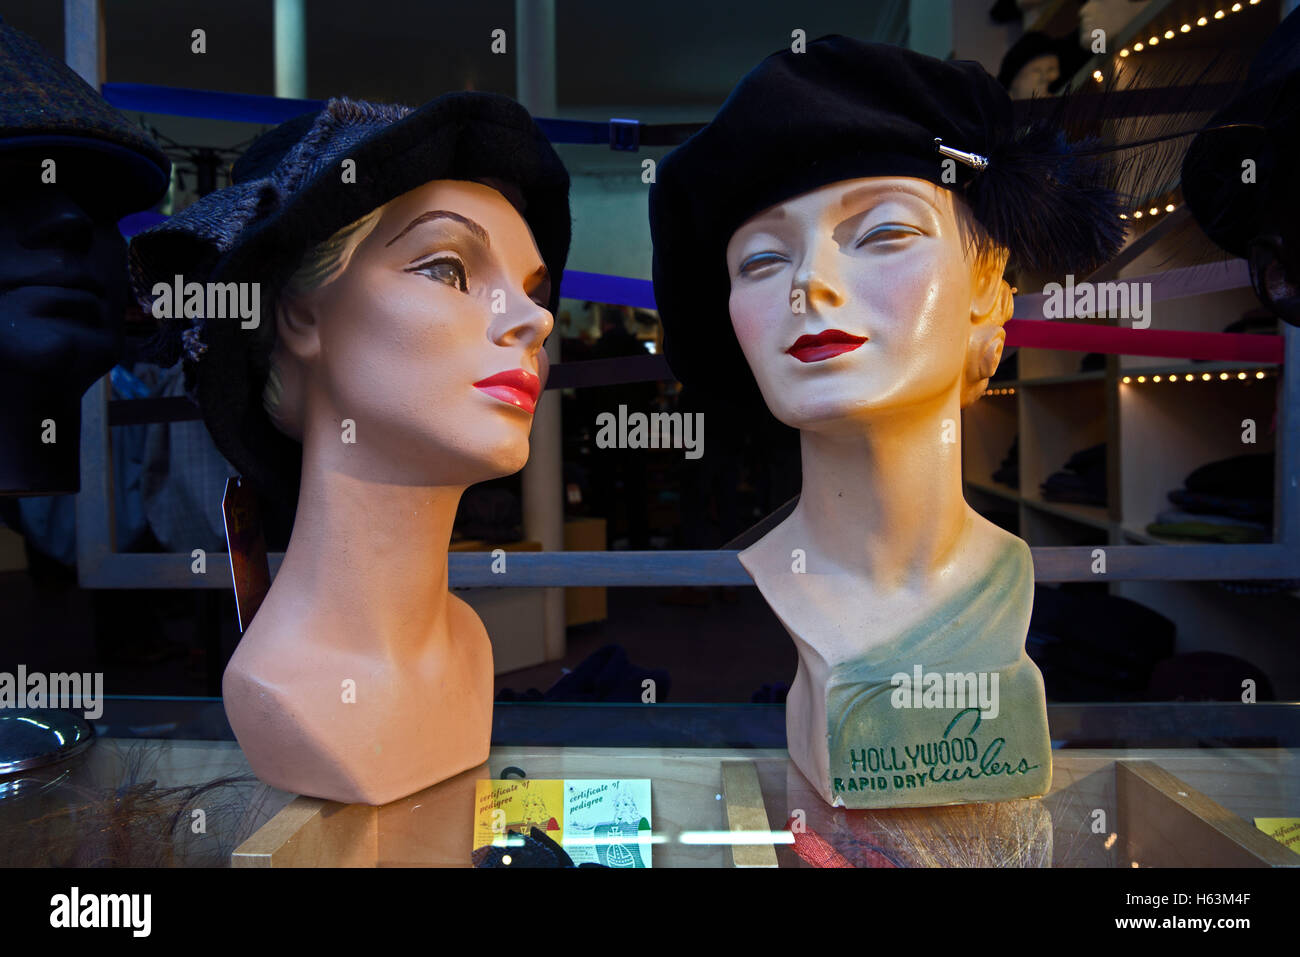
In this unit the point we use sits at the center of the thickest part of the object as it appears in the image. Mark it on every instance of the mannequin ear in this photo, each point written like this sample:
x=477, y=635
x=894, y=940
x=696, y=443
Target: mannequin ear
x=982, y=357
x=991, y=305
x=296, y=330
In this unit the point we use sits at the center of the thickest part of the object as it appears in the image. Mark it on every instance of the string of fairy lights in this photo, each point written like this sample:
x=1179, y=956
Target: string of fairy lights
x=1167, y=204
x=1240, y=375
x=1233, y=375
x=1154, y=39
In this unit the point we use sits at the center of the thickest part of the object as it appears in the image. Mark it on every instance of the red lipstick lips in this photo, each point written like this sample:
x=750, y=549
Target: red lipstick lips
x=515, y=387
x=824, y=345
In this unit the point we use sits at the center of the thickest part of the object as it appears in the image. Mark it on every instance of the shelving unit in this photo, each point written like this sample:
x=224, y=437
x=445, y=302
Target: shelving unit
x=1160, y=418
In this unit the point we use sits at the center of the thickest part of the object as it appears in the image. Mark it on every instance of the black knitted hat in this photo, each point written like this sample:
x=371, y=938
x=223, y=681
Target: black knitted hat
x=289, y=195
x=46, y=105
x=845, y=109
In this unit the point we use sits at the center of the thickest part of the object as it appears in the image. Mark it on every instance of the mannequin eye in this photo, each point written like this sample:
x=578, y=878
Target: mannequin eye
x=758, y=261
x=445, y=269
x=886, y=232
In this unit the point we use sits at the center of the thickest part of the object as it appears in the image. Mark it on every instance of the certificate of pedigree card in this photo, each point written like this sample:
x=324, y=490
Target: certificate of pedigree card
x=598, y=821
x=502, y=808
x=608, y=822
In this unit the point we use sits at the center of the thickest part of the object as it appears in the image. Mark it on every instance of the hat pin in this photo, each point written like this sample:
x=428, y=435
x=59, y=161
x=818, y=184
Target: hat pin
x=973, y=160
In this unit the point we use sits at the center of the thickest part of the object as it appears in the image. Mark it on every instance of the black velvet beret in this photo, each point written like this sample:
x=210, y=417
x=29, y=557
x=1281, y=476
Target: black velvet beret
x=845, y=109
x=289, y=195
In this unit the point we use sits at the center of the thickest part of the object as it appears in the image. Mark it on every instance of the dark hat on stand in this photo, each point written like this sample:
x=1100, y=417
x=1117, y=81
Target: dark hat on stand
x=289, y=195
x=845, y=109
x=46, y=105
x=1262, y=123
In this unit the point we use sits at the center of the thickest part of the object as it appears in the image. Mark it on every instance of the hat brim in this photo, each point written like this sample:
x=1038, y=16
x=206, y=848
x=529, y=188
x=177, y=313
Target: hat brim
x=129, y=181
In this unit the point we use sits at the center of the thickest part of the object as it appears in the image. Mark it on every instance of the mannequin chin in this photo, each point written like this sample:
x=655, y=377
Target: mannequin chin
x=63, y=294
x=409, y=373
x=869, y=317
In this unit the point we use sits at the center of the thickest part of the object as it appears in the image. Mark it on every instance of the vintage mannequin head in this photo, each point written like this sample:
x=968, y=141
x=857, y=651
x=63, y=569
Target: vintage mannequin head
x=396, y=322
x=899, y=269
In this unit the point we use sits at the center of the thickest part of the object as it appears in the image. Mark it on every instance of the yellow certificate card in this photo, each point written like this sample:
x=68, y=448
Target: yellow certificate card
x=1284, y=830
x=505, y=807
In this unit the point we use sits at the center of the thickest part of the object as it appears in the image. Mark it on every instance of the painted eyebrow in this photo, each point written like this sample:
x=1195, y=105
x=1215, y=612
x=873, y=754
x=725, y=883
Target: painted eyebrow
x=853, y=196
x=479, y=232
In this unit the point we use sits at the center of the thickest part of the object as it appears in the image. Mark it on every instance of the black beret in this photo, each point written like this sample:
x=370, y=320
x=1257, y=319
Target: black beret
x=845, y=109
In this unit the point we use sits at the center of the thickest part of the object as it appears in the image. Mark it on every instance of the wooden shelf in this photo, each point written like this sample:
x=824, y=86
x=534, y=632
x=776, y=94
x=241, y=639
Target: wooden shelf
x=1096, y=516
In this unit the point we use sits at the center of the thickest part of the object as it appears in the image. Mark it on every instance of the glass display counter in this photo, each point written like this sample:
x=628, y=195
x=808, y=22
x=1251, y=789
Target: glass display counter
x=1149, y=785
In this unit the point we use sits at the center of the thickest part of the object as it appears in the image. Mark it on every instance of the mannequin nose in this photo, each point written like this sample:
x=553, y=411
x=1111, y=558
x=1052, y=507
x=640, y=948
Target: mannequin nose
x=528, y=324
x=819, y=280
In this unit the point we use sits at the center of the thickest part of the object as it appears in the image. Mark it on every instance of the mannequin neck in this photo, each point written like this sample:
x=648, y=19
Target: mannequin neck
x=882, y=498
x=369, y=558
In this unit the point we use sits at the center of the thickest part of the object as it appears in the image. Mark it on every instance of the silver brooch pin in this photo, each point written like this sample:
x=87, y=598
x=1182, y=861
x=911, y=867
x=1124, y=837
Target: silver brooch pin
x=973, y=160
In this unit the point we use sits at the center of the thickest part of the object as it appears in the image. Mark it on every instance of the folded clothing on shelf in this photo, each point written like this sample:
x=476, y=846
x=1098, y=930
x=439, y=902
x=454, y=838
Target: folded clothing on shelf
x=1229, y=501
x=1082, y=480
x=1093, y=646
x=1208, y=527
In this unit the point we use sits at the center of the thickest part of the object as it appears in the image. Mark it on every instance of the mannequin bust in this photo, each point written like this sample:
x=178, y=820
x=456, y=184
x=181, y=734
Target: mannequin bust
x=870, y=311
x=362, y=678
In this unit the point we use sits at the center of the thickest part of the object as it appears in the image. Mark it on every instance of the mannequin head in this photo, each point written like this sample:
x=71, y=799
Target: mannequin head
x=896, y=263
x=392, y=322
x=63, y=295
x=63, y=280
